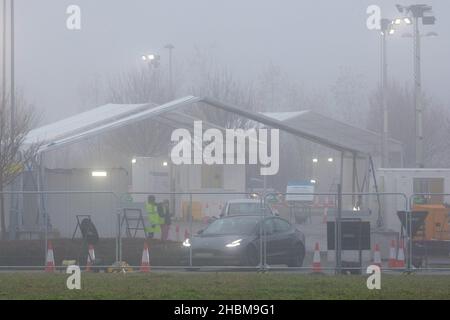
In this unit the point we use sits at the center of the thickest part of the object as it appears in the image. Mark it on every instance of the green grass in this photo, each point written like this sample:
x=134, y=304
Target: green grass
x=220, y=286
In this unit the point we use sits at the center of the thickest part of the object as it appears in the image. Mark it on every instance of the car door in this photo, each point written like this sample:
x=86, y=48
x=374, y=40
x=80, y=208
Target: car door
x=268, y=238
x=284, y=237
x=275, y=240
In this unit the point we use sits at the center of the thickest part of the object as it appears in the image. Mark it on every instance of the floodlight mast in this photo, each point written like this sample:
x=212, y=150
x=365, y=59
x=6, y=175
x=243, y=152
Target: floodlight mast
x=387, y=28
x=417, y=12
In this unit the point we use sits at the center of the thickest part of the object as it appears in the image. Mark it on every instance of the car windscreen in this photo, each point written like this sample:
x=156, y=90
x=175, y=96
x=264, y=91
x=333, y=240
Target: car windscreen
x=234, y=225
x=245, y=208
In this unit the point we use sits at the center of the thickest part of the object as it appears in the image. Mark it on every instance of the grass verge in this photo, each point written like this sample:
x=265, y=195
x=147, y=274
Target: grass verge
x=221, y=286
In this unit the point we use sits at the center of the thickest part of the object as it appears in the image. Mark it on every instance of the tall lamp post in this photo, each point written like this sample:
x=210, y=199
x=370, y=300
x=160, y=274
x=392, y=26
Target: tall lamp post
x=170, y=47
x=412, y=15
x=13, y=89
x=387, y=28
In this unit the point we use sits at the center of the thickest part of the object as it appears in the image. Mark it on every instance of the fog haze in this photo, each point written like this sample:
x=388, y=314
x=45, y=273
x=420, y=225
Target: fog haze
x=309, y=40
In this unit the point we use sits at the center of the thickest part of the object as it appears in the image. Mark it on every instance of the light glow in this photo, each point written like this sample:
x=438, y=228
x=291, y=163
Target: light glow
x=99, y=173
x=186, y=243
x=234, y=244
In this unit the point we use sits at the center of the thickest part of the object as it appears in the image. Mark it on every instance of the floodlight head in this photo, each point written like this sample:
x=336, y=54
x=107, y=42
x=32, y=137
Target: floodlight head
x=386, y=24
x=428, y=20
x=418, y=10
x=407, y=20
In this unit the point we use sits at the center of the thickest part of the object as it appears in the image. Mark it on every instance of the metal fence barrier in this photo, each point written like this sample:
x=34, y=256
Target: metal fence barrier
x=193, y=211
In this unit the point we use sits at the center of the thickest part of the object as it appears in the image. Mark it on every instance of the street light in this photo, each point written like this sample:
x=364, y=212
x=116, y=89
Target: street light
x=387, y=28
x=151, y=58
x=413, y=14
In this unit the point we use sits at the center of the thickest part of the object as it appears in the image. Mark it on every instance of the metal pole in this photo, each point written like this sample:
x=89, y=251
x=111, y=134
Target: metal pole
x=117, y=236
x=13, y=96
x=418, y=96
x=338, y=218
x=4, y=59
x=190, y=228
x=385, y=130
x=170, y=47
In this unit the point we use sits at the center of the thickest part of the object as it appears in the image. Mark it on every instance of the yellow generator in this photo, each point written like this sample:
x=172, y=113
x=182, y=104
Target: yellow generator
x=436, y=223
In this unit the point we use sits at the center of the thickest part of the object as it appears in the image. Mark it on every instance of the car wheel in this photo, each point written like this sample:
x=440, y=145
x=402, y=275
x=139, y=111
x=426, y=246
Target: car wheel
x=251, y=257
x=297, y=257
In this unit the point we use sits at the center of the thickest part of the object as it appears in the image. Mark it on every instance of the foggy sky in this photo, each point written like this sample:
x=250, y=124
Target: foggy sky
x=309, y=39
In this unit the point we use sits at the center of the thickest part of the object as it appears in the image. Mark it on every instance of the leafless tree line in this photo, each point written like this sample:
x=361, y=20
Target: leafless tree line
x=348, y=99
x=14, y=155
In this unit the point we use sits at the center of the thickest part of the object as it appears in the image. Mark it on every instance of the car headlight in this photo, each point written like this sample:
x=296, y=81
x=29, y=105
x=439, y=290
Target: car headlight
x=234, y=244
x=186, y=243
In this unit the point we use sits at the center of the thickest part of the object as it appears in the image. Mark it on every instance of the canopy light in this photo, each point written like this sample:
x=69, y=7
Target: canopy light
x=99, y=173
x=165, y=164
x=315, y=160
x=313, y=181
x=133, y=161
x=234, y=244
x=330, y=159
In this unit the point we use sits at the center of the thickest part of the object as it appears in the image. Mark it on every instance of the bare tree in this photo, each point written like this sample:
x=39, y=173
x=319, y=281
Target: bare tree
x=210, y=78
x=350, y=97
x=400, y=102
x=14, y=155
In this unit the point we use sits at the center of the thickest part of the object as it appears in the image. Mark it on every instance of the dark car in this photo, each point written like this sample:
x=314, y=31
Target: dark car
x=239, y=207
x=236, y=240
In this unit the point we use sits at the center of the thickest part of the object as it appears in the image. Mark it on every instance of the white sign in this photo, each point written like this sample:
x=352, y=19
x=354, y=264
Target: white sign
x=305, y=190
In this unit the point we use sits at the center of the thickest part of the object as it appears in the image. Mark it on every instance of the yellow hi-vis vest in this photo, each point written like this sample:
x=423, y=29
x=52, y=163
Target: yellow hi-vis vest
x=154, y=220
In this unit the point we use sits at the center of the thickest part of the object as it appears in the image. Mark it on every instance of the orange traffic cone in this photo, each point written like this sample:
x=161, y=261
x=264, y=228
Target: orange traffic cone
x=145, y=264
x=401, y=256
x=90, y=258
x=377, y=256
x=392, y=256
x=316, y=259
x=50, y=261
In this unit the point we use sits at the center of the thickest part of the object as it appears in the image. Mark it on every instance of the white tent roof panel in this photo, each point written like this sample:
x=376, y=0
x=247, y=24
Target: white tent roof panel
x=82, y=121
x=305, y=124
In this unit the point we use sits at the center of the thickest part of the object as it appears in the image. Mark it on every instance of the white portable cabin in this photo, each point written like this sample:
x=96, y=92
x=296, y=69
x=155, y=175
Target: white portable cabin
x=410, y=181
